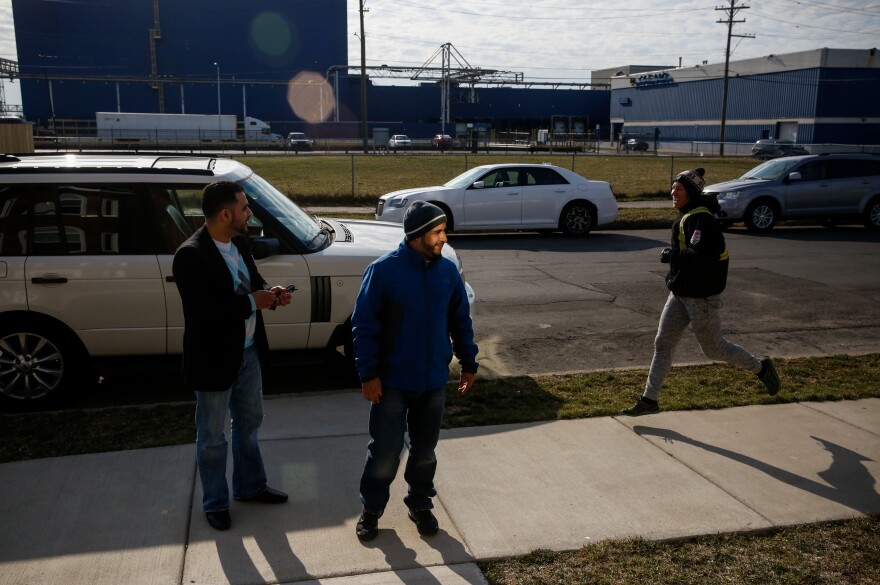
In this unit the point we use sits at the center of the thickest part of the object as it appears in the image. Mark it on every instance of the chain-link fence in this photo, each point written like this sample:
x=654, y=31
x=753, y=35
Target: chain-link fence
x=357, y=179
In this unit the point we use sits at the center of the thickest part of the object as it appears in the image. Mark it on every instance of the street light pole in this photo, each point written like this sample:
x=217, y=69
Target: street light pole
x=363, y=80
x=219, y=125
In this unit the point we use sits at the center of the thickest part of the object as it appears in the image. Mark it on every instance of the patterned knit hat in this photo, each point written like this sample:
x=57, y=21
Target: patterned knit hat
x=420, y=218
x=692, y=181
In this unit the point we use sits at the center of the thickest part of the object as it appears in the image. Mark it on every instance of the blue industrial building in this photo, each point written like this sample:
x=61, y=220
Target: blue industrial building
x=278, y=60
x=825, y=96
x=286, y=62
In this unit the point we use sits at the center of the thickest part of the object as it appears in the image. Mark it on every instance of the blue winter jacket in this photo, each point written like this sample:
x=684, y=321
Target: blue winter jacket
x=404, y=315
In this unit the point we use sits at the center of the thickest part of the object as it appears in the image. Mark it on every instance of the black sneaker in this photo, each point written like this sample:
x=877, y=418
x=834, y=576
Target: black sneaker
x=425, y=522
x=643, y=406
x=768, y=376
x=368, y=526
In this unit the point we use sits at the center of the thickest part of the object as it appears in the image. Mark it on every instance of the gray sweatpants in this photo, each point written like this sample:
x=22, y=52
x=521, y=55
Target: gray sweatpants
x=703, y=315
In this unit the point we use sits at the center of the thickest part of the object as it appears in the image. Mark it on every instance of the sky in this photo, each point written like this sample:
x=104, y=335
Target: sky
x=564, y=40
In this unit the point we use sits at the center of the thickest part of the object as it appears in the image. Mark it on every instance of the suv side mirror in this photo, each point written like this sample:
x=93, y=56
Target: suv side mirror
x=478, y=184
x=795, y=176
x=265, y=247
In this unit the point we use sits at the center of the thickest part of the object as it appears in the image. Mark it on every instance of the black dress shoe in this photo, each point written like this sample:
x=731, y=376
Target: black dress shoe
x=368, y=526
x=219, y=520
x=269, y=496
x=425, y=521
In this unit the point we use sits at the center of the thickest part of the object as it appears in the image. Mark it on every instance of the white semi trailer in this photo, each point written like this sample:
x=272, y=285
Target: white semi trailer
x=145, y=127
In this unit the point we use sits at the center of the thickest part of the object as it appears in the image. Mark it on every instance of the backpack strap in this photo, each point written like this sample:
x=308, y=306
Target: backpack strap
x=682, y=242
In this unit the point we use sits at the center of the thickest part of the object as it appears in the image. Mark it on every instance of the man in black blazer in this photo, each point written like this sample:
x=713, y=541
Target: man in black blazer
x=223, y=342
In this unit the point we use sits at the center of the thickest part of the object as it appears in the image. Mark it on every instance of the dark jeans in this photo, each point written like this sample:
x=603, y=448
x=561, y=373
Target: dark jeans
x=398, y=412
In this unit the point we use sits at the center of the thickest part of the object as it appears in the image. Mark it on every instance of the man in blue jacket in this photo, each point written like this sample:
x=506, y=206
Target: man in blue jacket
x=412, y=300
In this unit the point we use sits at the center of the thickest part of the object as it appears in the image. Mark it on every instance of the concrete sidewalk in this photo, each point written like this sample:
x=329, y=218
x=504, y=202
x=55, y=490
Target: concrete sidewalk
x=134, y=517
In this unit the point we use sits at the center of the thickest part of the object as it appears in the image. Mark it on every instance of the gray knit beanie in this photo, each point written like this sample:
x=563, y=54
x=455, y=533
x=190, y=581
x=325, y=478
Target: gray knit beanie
x=420, y=218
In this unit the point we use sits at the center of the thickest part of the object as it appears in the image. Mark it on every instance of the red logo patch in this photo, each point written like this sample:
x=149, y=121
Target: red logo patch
x=695, y=237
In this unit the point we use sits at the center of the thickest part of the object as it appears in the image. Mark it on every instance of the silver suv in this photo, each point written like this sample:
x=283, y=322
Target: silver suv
x=825, y=187
x=86, y=246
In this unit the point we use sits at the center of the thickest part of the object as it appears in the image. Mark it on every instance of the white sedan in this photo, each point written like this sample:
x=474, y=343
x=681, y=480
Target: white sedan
x=512, y=197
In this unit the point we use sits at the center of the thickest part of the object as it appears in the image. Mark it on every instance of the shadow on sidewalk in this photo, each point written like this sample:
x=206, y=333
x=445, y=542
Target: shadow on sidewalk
x=851, y=484
x=397, y=554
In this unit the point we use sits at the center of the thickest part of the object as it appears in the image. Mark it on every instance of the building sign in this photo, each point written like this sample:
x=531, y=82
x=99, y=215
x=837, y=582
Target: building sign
x=649, y=79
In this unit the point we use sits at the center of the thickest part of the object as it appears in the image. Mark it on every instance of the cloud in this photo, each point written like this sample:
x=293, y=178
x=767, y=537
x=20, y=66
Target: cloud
x=564, y=40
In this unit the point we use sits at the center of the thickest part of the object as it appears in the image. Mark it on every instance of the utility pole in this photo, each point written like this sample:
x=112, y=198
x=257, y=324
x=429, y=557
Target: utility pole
x=731, y=12
x=364, y=80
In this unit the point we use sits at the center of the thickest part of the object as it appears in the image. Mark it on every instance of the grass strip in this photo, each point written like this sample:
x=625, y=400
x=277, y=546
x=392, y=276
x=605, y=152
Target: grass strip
x=36, y=435
x=813, y=554
x=571, y=396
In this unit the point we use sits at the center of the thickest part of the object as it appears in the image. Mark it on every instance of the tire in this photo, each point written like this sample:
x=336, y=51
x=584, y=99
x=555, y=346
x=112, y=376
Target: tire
x=450, y=221
x=761, y=216
x=577, y=218
x=872, y=214
x=39, y=363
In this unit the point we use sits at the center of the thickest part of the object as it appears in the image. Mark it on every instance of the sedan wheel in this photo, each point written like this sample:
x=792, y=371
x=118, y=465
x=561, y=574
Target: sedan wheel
x=577, y=219
x=35, y=364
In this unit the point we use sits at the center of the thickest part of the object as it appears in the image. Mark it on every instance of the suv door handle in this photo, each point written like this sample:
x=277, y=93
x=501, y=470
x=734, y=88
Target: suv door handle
x=49, y=280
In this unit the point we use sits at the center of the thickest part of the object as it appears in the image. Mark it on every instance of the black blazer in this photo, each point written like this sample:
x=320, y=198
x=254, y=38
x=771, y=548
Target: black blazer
x=214, y=315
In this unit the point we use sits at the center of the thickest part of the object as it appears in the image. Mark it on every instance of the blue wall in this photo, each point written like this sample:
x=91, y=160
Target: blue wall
x=269, y=40
x=266, y=42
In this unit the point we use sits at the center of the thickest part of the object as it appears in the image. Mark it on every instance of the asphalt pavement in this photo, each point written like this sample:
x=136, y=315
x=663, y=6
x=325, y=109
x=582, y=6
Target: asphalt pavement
x=135, y=517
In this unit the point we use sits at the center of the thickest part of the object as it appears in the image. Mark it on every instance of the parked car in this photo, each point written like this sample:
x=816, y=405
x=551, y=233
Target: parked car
x=299, y=141
x=399, y=141
x=773, y=148
x=441, y=141
x=826, y=187
x=86, y=246
x=636, y=144
x=512, y=196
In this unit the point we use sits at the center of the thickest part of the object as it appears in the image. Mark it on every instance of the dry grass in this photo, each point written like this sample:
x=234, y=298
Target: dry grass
x=830, y=553
x=327, y=179
x=541, y=398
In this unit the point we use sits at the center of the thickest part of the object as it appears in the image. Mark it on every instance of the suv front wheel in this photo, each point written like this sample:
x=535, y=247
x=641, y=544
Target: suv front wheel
x=761, y=216
x=872, y=214
x=37, y=363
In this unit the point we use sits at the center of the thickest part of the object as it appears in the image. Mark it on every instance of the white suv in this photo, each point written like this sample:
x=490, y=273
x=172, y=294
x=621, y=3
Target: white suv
x=86, y=245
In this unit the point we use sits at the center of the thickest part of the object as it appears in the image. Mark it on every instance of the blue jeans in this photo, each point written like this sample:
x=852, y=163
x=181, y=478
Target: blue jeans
x=244, y=401
x=398, y=412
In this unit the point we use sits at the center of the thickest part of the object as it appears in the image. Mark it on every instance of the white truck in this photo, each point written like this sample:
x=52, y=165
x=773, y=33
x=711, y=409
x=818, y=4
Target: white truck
x=146, y=127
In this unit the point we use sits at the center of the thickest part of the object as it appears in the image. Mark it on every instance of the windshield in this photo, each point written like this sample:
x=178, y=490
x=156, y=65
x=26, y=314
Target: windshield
x=466, y=178
x=289, y=214
x=772, y=170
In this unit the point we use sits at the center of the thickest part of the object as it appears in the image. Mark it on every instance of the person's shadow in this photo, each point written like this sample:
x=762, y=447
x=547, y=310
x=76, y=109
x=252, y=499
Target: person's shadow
x=850, y=482
x=239, y=567
x=397, y=554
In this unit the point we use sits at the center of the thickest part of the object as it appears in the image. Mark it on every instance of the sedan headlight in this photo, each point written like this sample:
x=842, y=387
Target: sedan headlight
x=398, y=203
x=728, y=195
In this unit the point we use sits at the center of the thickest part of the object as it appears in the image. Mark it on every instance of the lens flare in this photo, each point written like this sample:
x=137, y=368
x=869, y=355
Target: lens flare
x=311, y=97
x=271, y=34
